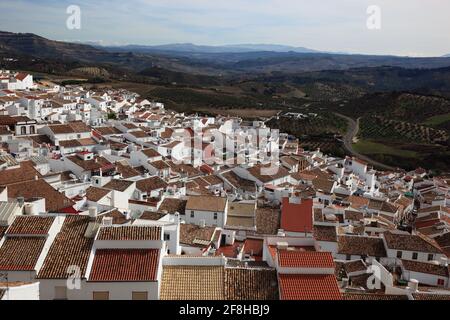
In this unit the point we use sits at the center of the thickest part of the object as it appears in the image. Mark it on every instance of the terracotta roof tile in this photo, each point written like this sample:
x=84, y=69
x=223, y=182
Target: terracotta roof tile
x=70, y=247
x=267, y=220
x=420, y=243
x=192, y=283
x=130, y=233
x=172, y=205
x=31, y=225
x=297, y=217
x=309, y=287
x=124, y=265
x=21, y=253
x=150, y=184
x=95, y=194
x=118, y=185
x=305, y=259
x=251, y=284
x=54, y=200
x=206, y=203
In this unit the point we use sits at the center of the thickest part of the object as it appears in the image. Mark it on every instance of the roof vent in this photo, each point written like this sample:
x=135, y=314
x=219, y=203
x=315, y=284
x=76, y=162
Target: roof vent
x=282, y=245
x=107, y=221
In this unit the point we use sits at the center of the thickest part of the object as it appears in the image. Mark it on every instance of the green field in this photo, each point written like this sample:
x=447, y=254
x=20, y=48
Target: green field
x=369, y=147
x=437, y=120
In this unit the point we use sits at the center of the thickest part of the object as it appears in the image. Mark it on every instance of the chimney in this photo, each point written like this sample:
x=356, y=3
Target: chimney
x=282, y=245
x=413, y=285
x=93, y=213
x=444, y=262
x=36, y=177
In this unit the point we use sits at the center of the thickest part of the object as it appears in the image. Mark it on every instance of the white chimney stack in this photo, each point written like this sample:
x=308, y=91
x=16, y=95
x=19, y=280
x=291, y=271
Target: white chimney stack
x=93, y=212
x=413, y=285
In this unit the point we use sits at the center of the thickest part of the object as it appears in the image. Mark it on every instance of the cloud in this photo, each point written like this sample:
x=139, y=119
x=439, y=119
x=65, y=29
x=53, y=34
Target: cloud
x=407, y=25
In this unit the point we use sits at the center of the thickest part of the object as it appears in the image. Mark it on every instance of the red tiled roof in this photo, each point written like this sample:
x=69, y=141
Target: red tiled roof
x=297, y=217
x=125, y=265
x=305, y=259
x=309, y=287
x=31, y=225
x=21, y=253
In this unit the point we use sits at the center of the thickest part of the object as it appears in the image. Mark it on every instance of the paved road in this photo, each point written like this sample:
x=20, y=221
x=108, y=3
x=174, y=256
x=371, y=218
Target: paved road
x=352, y=132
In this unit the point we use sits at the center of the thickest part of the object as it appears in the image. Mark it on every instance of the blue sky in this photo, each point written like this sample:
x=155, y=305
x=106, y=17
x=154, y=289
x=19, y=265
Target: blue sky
x=408, y=27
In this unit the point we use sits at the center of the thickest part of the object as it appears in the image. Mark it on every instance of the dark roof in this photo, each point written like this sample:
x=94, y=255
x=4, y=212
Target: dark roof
x=26, y=172
x=424, y=267
x=408, y=242
x=95, y=194
x=54, y=200
x=361, y=246
x=118, y=185
x=31, y=225
x=70, y=248
x=21, y=253
x=250, y=284
x=325, y=233
x=130, y=233
x=172, y=205
x=150, y=184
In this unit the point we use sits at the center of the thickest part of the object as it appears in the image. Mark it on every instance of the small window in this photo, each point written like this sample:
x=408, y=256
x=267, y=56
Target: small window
x=166, y=237
x=138, y=295
x=192, y=214
x=415, y=255
x=60, y=293
x=215, y=215
x=349, y=257
x=430, y=257
x=399, y=254
x=441, y=282
x=104, y=295
x=23, y=130
x=79, y=136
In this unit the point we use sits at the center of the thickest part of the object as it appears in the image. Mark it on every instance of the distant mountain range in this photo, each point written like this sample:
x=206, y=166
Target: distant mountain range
x=193, y=48
x=233, y=60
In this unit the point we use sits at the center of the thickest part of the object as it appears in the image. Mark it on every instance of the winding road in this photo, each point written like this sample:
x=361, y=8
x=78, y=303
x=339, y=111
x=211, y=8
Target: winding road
x=352, y=132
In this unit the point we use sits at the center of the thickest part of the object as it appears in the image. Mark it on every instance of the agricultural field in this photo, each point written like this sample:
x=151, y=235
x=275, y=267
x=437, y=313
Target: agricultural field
x=380, y=128
x=250, y=113
x=371, y=147
x=438, y=120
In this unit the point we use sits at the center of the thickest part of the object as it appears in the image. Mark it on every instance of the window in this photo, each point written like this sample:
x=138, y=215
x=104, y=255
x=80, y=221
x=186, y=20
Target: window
x=166, y=237
x=60, y=293
x=32, y=130
x=415, y=255
x=349, y=257
x=100, y=295
x=79, y=136
x=138, y=295
x=192, y=214
x=23, y=130
x=215, y=215
x=430, y=257
x=441, y=282
x=399, y=254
